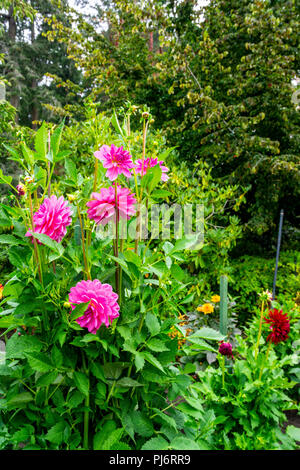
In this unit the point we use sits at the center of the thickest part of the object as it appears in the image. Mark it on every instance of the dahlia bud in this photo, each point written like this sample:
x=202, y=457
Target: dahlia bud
x=71, y=197
x=29, y=179
x=145, y=115
x=225, y=349
x=67, y=305
x=21, y=189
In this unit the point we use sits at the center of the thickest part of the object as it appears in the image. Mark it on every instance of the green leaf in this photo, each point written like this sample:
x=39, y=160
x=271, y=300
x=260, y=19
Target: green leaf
x=152, y=324
x=40, y=141
x=160, y=193
x=17, y=346
x=142, y=425
x=152, y=360
x=79, y=311
x=40, y=362
x=19, y=400
x=201, y=344
x=56, y=138
x=157, y=345
x=156, y=443
x=185, y=243
x=293, y=432
x=113, y=370
x=56, y=434
x=47, y=241
x=139, y=361
x=128, y=382
x=71, y=170
x=208, y=333
x=10, y=240
x=100, y=436
x=27, y=154
x=5, y=179
x=81, y=382
x=152, y=178
x=46, y=379
x=184, y=443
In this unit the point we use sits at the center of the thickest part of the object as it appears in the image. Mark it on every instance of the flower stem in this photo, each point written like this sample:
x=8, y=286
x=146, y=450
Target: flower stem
x=266, y=358
x=117, y=240
x=36, y=251
x=260, y=328
x=86, y=412
x=83, y=245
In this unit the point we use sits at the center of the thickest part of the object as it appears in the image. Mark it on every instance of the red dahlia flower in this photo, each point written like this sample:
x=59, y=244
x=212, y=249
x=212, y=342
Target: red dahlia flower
x=225, y=349
x=279, y=326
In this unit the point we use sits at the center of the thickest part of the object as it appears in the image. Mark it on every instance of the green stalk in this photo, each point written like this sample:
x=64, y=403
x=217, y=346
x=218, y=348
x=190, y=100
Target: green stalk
x=266, y=358
x=83, y=244
x=260, y=328
x=117, y=240
x=36, y=251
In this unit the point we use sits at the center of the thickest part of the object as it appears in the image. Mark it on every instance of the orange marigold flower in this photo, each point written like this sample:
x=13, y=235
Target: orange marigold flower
x=1, y=291
x=207, y=308
x=215, y=298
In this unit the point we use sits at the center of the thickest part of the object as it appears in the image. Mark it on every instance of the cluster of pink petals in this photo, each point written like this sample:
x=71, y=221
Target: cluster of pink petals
x=102, y=207
x=103, y=306
x=141, y=167
x=52, y=218
x=116, y=160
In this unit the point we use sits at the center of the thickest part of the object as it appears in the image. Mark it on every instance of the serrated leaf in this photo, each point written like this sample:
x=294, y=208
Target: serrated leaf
x=156, y=443
x=19, y=400
x=56, y=433
x=81, y=382
x=155, y=362
x=78, y=311
x=152, y=324
x=40, y=141
x=40, y=362
x=184, y=443
x=142, y=425
x=157, y=345
x=128, y=382
x=208, y=333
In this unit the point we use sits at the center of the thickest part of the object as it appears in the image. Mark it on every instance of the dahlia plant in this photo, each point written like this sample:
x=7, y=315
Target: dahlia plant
x=86, y=318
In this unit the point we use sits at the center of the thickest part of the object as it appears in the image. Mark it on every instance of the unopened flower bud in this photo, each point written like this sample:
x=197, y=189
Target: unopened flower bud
x=21, y=189
x=71, y=197
x=145, y=115
x=67, y=305
x=29, y=179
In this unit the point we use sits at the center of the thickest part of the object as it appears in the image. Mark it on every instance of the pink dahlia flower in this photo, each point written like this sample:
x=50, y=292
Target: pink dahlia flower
x=52, y=218
x=142, y=169
x=117, y=161
x=102, y=207
x=103, y=306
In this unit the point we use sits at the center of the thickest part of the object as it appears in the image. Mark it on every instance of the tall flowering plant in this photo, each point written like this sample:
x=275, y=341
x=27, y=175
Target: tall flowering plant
x=87, y=317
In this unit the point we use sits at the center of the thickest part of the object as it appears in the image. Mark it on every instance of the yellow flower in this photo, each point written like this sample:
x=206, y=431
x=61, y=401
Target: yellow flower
x=215, y=298
x=1, y=291
x=199, y=309
x=207, y=308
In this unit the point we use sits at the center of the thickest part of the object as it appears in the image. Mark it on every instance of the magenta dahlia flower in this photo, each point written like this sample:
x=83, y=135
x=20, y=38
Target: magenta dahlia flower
x=117, y=161
x=103, y=306
x=142, y=168
x=225, y=349
x=102, y=207
x=279, y=326
x=52, y=218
